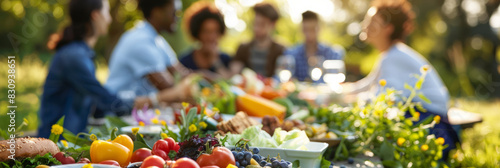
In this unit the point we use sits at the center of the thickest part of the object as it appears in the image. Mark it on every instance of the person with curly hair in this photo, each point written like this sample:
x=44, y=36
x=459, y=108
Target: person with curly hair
x=206, y=26
x=386, y=25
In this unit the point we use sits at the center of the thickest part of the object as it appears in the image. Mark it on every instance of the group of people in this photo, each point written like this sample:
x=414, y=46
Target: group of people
x=142, y=65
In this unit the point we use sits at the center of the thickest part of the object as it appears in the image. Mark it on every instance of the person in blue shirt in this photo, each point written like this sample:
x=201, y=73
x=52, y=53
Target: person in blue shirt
x=398, y=63
x=206, y=26
x=311, y=53
x=142, y=62
x=71, y=88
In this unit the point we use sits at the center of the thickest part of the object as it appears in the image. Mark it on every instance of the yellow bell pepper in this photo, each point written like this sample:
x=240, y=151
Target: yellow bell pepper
x=120, y=150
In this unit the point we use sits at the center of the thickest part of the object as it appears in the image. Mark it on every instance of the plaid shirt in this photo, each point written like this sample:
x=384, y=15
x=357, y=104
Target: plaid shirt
x=302, y=71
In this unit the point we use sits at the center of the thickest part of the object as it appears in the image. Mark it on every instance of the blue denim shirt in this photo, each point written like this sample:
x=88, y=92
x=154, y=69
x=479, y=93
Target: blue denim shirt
x=301, y=63
x=72, y=90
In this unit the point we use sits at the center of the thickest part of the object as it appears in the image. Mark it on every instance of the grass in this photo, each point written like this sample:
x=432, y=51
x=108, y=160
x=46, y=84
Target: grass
x=480, y=144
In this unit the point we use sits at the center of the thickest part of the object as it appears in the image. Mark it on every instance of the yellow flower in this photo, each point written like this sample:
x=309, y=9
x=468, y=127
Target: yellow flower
x=164, y=136
x=416, y=116
x=424, y=147
x=192, y=128
x=141, y=123
x=93, y=137
x=57, y=129
x=157, y=112
x=215, y=110
x=135, y=130
x=365, y=112
x=440, y=141
x=401, y=141
x=185, y=104
x=424, y=68
x=203, y=125
x=382, y=82
x=205, y=92
x=231, y=166
x=437, y=119
x=25, y=121
x=64, y=143
x=163, y=122
x=154, y=120
x=87, y=166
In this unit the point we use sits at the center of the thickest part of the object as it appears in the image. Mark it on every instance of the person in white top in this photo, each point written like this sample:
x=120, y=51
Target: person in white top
x=385, y=26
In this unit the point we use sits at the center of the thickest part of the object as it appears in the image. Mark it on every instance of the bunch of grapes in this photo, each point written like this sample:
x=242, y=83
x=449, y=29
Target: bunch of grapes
x=244, y=157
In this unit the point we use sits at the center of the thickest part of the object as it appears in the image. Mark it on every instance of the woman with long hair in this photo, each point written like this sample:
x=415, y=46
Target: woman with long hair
x=71, y=88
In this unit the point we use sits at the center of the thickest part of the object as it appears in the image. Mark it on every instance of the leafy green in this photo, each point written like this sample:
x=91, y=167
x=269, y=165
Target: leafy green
x=294, y=139
x=46, y=159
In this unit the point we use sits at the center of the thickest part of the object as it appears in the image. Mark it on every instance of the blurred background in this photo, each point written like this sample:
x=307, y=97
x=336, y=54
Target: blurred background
x=459, y=37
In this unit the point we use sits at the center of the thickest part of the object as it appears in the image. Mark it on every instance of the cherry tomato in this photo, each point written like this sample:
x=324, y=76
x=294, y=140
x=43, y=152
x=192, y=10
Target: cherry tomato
x=153, y=160
x=140, y=154
x=63, y=158
x=110, y=162
x=185, y=163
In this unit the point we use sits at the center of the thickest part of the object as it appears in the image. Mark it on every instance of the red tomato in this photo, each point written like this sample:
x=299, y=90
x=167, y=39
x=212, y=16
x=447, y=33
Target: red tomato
x=63, y=158
x=153, y=167
x=163, y=147
x=185, y=163
x=220, y=157
x=153, y=160
x=110, y=162
x=210, y=167
x=84, y=160
x=140, y=154
x=172, y=144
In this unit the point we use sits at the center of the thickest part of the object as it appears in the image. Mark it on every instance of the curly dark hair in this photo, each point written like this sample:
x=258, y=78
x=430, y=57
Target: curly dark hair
x=399, y=14
x=267, y=10
x=198, y=13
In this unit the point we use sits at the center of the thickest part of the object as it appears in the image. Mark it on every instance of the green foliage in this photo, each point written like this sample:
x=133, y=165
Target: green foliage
x=381, y=128
x=46, y=159
x=189, y=125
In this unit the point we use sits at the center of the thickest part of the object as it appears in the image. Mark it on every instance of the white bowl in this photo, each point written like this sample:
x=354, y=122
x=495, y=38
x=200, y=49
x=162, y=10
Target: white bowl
x=310, y=158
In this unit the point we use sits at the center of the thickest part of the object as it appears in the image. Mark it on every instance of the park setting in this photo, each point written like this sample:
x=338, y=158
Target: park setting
x=249, y=83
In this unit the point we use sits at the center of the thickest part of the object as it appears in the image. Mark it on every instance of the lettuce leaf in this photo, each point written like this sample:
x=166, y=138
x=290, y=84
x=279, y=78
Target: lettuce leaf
x=46, y=159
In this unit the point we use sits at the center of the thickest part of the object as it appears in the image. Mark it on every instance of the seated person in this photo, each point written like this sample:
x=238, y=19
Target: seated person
x=142, y=61
x=398, y=62
x=71, y=88
x=261, y=53
x=306, y=55
x=206, y=25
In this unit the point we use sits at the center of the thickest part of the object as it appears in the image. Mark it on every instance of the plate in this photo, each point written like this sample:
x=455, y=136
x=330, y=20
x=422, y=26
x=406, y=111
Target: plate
x=150, y=129
x=80, y=165
x=310, y=158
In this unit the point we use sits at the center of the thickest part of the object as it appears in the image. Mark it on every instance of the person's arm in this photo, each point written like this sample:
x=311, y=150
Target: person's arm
x=161, y=80
x=236, y=65
x=79, y=76
x=182, y=92
x=180, y=69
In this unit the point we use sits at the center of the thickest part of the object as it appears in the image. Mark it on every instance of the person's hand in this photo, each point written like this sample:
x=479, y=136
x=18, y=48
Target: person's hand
x=182, y=92
x=140, y=102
